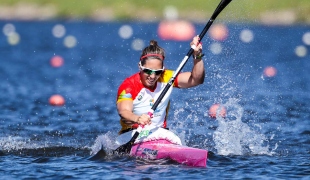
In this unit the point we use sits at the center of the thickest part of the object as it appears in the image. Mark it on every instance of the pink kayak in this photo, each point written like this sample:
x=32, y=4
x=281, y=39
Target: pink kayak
x=163, y=149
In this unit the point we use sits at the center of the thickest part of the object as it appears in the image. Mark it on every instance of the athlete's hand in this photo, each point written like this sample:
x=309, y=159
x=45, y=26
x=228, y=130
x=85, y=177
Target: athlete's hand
x=144, y=119
x=198, y=48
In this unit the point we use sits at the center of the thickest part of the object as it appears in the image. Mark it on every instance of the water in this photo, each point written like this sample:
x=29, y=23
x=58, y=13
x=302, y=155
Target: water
x=265, y=135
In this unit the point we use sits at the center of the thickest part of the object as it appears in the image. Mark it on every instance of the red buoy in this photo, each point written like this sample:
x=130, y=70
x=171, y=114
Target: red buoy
x=57, y=100
x=270, y=71
x=176, y=30
x=56, y=61
x=214, y=109
x=218, y=32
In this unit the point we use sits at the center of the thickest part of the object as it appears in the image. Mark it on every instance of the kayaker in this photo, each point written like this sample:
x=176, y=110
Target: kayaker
x=138, y=92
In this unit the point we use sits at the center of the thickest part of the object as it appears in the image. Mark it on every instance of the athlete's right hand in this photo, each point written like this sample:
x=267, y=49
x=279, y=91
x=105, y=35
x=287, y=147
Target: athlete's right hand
x=144, y=119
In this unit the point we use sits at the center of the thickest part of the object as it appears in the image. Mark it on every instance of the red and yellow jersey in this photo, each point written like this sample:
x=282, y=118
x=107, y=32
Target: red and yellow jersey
x=144, y=98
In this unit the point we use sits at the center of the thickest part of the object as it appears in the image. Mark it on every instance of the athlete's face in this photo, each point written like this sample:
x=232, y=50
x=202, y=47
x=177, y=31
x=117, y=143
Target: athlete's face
x=149, y=79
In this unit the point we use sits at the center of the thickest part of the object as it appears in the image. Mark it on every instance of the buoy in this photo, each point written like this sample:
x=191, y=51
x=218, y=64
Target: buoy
x=183, y=31
x=306, y=38
x=246, y=36
x=125, y=31
x=59, y=31
x=56, y=61
x=57, y=100
x=13, y=38
x=164, y=30
x=176, y=30
x=301, y=51
x=218, y=32
x=270, y=71
x=216, y=48
x=70, y=41
x=214, y=109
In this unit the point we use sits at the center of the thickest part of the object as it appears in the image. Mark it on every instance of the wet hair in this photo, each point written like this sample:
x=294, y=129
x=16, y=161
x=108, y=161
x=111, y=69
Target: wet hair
x=152, y=51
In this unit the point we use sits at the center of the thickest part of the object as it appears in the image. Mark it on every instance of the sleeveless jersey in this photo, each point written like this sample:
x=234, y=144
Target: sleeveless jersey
x=144, y=98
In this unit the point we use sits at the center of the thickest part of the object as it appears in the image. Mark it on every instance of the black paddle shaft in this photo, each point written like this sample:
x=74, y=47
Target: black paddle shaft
x=217, y=11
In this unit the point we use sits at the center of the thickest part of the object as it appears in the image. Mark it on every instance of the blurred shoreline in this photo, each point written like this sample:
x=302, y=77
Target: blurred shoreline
x=45, y=12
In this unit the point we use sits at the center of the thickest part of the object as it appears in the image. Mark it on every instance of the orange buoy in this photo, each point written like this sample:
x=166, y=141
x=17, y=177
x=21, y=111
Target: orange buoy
x=218, y=32
x=176, y=30
x=56, y=61
x=217, y=109
x=183, y=31
x=165, y=30
x=270, y=71
x=56, y=100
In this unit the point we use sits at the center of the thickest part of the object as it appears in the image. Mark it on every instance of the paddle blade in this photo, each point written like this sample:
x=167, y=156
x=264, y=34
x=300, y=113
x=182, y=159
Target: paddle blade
x=99, y=155
x=126, y=148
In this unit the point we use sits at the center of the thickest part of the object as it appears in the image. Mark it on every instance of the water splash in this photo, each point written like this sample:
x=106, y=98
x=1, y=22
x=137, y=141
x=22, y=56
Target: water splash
x=15, y=143
x=107, y=141
x=233, y=137
x=20, y=146
x=178, y=127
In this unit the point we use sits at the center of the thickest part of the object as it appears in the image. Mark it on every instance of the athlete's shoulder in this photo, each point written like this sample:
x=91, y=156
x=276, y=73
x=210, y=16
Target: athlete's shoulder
x=166, y=76
x=129, y=88
x=132, y=79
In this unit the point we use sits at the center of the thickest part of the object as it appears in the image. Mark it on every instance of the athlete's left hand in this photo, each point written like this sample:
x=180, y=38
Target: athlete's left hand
x=198, y=47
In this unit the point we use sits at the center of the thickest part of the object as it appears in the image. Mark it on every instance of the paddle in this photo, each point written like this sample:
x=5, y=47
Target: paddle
x=125, y=148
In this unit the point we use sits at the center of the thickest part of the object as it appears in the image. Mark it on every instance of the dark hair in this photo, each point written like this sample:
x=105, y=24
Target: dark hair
x=154, y=51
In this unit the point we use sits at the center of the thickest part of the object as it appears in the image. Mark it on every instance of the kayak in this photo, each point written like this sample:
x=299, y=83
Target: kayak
x=154, y=144
x=159, y=143
x=164, y=149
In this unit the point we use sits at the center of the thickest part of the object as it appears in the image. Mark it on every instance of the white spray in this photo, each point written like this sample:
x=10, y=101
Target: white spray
x=233, y=137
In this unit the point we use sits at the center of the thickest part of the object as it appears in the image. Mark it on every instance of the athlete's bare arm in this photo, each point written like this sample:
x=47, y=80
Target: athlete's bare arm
x=196, y=76
x=125, y=108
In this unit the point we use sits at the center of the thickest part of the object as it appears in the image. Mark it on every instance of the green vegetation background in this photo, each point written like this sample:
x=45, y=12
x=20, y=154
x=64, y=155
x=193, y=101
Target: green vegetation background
x=238, y=10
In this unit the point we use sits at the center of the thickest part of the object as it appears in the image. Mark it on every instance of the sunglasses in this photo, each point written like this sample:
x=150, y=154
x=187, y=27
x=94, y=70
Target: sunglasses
x=148, y=71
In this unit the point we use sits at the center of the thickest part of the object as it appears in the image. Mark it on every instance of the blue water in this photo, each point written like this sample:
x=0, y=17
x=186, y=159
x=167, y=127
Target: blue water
x=266, y=133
